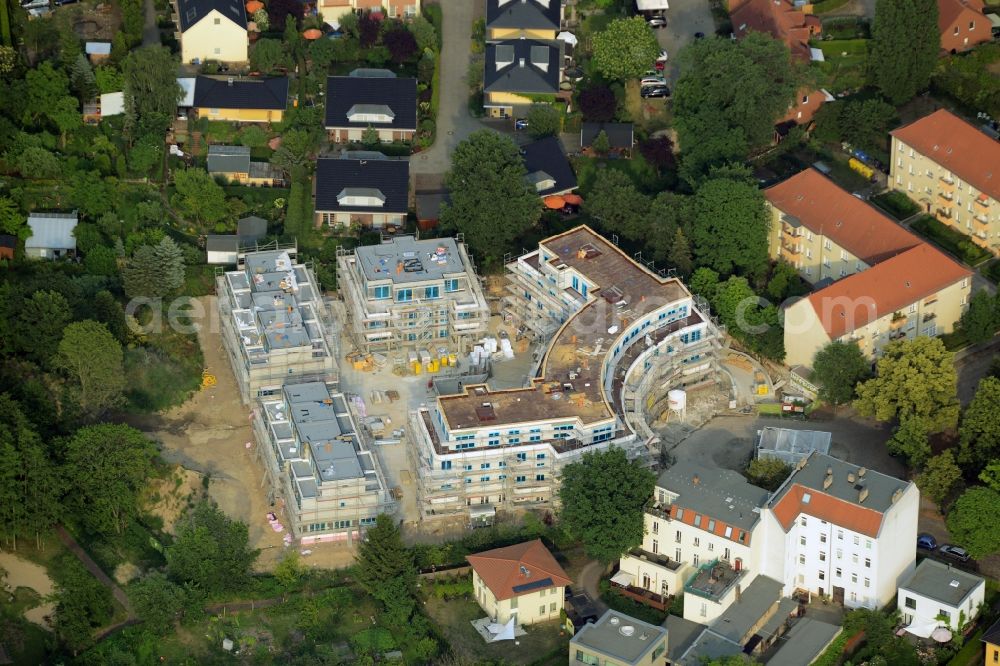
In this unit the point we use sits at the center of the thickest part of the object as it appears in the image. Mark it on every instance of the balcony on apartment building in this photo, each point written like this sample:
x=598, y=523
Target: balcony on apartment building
x=790, y=226
x=943, y=215
x=947, y=183
x=982, y=203
x=625, y=583
x=945, y=197
x=657, y=511
x=714, y=579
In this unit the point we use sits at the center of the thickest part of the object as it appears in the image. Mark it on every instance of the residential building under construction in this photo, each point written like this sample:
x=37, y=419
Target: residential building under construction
x=274, y=323
x=315, y=457
x=408, y=294
x=619, y=337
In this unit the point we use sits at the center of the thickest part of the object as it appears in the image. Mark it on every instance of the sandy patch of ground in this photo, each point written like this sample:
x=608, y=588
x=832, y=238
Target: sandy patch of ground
x=22, y=573
x=168, y=498
x=125, y=572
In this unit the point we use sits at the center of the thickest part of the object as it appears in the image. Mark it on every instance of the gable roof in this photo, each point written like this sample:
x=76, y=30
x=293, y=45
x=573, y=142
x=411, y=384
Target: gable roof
x=992, y=635
x=523, y=66
x=523, y=14
x=546, y=156
x=942, y=582
x=345, y=92
x=241, y=93
x=228, y=159
x=620, y=135
x=251, y=228
x=958, y=147
x=52, y=231
x=335, y=175
x=824, y=208
x=781, y=20
x=840, y=503
x=518, y=569
x=950, y=11
x=7, y=240
x=190, y=12
x=861, y=298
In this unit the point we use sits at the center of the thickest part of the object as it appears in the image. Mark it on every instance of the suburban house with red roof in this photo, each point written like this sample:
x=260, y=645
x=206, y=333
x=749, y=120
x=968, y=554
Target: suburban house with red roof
x=522, y=581
x=840, y=531
x=962, y=24
x=876, y=282
x=953, y=170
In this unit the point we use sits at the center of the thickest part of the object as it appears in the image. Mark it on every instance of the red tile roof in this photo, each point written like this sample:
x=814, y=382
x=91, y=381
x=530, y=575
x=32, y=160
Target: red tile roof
x=858, y=299
x=824, y=208
x=840, y=512
x=781, y=20
x=957, y=14
x=957, y=146
x=720, y=525
x=503, y=569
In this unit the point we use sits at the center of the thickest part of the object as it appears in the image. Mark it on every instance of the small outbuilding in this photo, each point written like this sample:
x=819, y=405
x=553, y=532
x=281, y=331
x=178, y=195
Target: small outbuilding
x=51, y=235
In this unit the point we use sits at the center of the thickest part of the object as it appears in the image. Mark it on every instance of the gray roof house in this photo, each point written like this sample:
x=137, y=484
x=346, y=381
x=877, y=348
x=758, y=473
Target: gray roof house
x=617, y=638
x=228, y=159
x=523, y=14
x=523, y=66
x=51, y=235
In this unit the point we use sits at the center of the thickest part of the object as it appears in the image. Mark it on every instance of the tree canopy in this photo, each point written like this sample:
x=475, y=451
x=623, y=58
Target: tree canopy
x=597, y=103
x=211, y=551
x=910, y=441
x=967, y=525
x=768, y=473
x=939, y=478
x=727, y=98
x=979, y=432
x=543, y=121
x=730, y=226
x=602, y=499
x=93, y=359
x=913, y=378
x=491, y=202
x=151, y=90
x=625, y=48
x=904, y=47
x=837, y=369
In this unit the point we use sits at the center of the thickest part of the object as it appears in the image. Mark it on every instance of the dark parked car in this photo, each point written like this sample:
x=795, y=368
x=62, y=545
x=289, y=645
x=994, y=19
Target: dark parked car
x=954, y=552
x=521, y=123
x=926, y=541
x=699, y=35
x=655, y=91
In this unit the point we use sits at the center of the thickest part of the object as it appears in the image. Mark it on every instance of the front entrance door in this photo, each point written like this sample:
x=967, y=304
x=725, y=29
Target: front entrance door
x=838, y=595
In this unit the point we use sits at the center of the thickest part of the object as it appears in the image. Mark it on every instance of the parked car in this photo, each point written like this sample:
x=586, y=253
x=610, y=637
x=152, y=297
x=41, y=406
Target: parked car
x=662, y=57
x=660, y=65
x=657, y=22
x=699, y=35
x=954, y=552
x=520, y=123
x=36, y=4
x=655, y=91
x=926, y=541
x=652, y=81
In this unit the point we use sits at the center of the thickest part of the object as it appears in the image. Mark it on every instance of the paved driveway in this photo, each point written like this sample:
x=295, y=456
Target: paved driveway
x=453, y=122
x=683, y=20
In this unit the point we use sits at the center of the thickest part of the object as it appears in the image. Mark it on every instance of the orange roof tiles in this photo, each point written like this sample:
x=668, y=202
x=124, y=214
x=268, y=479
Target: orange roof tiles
x=781, y=20
x=959, y=14
x=823, y=208
x=858, y=299
x=957, y=146
x=502, y=569
x=840, y=512
x=737, y=534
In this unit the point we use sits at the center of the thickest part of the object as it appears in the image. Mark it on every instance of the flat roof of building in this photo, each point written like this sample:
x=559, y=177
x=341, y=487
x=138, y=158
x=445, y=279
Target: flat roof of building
x=753, y=604
x=323, y=423
x=804, y=642
x=404, y=259
x=620, y=636
x=622, y=290
x=722, y=495
x=942, y=582
x=681, y=635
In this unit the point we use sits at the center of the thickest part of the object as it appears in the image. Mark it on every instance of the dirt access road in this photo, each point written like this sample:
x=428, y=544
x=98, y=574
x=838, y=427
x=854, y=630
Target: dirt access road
x=209, y=434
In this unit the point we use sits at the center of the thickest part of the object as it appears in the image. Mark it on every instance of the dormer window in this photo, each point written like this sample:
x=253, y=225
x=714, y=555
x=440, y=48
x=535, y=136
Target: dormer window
x=367, y=197
x=370, y=113
x=541, y=180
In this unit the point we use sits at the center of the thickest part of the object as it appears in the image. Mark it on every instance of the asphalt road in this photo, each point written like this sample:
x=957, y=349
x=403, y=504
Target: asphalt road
x=684, y=19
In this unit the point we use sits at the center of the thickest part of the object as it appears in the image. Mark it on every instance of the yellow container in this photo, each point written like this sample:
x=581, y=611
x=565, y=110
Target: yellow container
x=452, y=359
x=432, y=366
x=444, y=360
x=416, y=368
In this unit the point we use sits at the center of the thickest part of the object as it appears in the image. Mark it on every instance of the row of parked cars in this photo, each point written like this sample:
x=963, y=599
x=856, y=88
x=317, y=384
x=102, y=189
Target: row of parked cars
x=653, y=83
x=929, y=543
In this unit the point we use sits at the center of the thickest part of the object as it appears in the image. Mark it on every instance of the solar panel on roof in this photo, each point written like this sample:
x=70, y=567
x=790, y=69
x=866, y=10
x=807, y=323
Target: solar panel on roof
x=534, y=585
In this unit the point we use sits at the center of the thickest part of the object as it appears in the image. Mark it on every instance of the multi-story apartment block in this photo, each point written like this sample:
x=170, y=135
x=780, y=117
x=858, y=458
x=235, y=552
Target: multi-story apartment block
x=274, y=324
x=841, y=531
x=876, y=282
x=623, y=334
x=408, y=293
x=315, y=457
x=948, y=166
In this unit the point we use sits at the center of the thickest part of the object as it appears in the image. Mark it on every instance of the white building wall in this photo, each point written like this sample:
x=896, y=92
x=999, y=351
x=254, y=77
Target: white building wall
x=897, y=544
x=207, y=40
x=927, y=609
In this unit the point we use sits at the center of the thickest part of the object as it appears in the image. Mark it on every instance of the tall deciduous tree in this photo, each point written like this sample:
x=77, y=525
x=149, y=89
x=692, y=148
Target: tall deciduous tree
x=543, y=121
x=602, y=499
x=979, y=431
x=910, y=441
x=625, y=49
x=107, y=466
x=597, y=103
x=211, y=550
x=837, y=369
x=424, y=32
x=12, y=221
x=295, y=151
x=768, y=473
x=151, y=91
x=93, y=359
x=968, y=524
x=728, y=97
x=402, y=44
x=199, y=197
x=267, y=55
x=615, y=202
x=730, y=226
x=904, y=48
x=82, y=603
x=939, y=478
x=158, y=601
x=913, y=378
x=491, y=202
x=982, y=319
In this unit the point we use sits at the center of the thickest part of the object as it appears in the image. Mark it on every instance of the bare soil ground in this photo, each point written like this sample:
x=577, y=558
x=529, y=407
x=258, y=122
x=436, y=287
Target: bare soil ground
x=23, y=573
x=168, y=498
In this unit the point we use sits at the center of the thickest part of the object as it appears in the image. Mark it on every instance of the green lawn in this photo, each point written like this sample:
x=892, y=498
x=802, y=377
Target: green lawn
x=844, y=65
x=950, y=240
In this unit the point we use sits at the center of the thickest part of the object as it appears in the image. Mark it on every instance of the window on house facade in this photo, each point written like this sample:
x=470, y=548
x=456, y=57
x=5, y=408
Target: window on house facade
x=677, y=537
x=656, y=547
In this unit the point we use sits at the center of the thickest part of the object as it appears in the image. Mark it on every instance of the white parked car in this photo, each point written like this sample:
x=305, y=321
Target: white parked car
x=652, y=81
x=662, y=57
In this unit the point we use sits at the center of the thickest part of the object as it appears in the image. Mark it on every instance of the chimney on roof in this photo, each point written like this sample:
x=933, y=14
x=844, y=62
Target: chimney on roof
x=827, y=481
x=861, y=472
x=229, y=81
x=695, y=480
x=850, y=477
x=863, y=495
x=896, y=494
x=520, y=62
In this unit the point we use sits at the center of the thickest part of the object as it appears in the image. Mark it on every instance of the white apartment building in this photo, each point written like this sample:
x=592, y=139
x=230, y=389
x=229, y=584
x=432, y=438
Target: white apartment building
x=623, y=332
x=316, y=459
x=410, y=294
x=698, y=516
x=841, y=531
x=274, y=324
x=939, y=595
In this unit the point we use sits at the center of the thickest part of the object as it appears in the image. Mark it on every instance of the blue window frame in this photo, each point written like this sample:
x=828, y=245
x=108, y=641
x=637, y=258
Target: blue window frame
x=540, y=456
x=382, y=292
x=583, y=290
x=522, y=456
x=519, y=479
x=484, y=466
x=451, y=285
x=446, y=464
x=484, y=478
x=404, y=295
x=535, y=438
x=432, y=292
x=539, y=477
x=576, y=283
